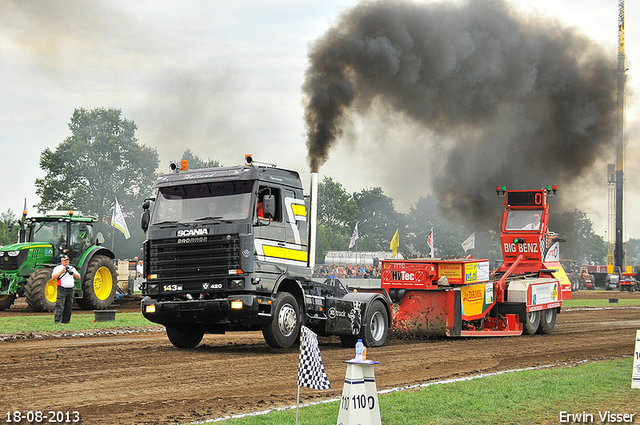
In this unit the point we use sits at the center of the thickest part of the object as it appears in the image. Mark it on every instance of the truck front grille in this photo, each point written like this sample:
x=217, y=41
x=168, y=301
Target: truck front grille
x=195, y=260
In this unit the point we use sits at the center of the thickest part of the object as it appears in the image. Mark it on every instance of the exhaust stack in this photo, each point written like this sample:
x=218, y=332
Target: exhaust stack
x=313, y=220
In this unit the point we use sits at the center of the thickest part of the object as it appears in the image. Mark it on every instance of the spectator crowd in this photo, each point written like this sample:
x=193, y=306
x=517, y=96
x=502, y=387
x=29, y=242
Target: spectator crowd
x=347, y=271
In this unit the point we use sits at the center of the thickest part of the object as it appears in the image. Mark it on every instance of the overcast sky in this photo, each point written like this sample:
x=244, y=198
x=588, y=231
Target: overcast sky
x=223, y=78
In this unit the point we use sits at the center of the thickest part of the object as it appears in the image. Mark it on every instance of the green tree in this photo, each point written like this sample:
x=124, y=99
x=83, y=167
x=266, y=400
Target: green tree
x=378, y=221
x=582, y=244
x=8, y=228
x=195, y=162
x=632, y=249
x=101, y=161
x=337, y=210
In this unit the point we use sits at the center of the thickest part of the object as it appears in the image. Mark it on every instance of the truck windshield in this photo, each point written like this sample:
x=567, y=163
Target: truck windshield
x=203, y=201
x=523, y=220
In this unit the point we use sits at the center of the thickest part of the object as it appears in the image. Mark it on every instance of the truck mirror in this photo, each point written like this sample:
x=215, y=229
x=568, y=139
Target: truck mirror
x=146, y=214
x=144, y=221
x=269, y=206
x=82, y=226
x=99, y=239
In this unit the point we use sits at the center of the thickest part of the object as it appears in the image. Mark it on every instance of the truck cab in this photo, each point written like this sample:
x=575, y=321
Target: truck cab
x=227, y=250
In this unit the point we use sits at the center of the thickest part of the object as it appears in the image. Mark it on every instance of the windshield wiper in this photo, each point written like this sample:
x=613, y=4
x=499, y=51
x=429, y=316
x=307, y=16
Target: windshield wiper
x=175, y=222
x=216, y=218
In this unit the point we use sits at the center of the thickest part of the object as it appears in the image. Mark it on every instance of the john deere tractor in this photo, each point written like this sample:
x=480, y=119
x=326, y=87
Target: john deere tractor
x=26, y=266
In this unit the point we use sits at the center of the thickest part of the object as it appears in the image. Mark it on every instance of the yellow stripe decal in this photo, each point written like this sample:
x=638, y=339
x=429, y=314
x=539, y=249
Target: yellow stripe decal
x=299, y=210
x=286, y=253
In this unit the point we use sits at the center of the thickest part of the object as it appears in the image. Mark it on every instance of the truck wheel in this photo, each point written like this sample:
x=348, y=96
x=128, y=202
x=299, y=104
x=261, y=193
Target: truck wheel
x=41, y=291
x=184, y=337
x=285, y=323
x=547, y=321
x=376, y=326
x=531, y=322
x=6, y=301
x=98, y=284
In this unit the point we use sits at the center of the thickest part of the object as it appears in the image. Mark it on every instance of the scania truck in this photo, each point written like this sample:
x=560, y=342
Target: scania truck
x=226, y=249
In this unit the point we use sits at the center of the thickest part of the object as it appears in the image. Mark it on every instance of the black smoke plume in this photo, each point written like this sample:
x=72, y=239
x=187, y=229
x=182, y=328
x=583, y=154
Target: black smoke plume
x=526, y=101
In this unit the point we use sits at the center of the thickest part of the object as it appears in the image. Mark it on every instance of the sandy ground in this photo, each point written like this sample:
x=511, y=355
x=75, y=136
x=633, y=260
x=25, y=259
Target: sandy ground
x=140, y=378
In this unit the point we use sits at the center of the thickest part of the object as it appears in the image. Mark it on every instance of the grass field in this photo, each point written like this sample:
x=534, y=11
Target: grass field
x=523, y=397
x=84, y=321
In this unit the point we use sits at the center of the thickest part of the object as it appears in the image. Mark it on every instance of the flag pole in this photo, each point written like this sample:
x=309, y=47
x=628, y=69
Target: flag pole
x=298, y=403
x=113, y=229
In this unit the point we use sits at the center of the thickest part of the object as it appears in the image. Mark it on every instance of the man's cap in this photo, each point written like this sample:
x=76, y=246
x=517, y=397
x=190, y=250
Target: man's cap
x=64, y=257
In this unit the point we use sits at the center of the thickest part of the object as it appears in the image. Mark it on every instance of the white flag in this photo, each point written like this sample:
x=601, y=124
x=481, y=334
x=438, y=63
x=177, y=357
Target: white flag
x=311, y=373
x=117, y=221
x=470, y=243
x=430, y=243
x=354, y=237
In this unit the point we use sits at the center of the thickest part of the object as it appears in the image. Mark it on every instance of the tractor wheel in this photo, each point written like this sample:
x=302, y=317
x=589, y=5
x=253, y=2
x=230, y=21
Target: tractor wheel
x=6, y=301
x=531, y=322
x=547, y=321
x=376, y=326
x=184, y=337
x=41, y=291
x=284, y=328
x=98, y=284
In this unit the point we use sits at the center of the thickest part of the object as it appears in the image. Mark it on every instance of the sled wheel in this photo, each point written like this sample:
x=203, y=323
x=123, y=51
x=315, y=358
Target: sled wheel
x=547, y=321
x=184, y=337
x=376, y=325
x=531, y=322
x=285, y=323
x=6, y=301
x=41, y=291
x=98, y=284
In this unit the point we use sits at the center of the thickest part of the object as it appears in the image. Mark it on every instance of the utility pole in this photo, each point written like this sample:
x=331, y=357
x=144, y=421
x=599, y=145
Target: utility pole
x=619, y=254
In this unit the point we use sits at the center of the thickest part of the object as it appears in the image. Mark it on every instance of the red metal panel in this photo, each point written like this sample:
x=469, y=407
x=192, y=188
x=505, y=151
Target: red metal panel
x=425, y=312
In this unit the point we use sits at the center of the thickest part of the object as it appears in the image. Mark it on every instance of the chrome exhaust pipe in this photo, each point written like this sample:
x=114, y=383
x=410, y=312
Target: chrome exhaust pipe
x=313, y=220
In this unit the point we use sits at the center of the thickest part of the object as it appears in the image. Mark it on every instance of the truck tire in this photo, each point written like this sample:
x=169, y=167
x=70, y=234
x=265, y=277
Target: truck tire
x=547, y=320
x=6, y=301
x=284, y=328
x=183, y=336
x=531, y=322
x=376, y=327
x=98, y=284
x=41, y=291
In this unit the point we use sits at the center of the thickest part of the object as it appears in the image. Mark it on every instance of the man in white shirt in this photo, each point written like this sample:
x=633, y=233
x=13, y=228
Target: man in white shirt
x=64, y=274
x=536, y=223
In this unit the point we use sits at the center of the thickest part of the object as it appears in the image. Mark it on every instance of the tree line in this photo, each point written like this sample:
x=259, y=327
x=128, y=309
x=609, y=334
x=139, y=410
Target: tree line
x=103, y=160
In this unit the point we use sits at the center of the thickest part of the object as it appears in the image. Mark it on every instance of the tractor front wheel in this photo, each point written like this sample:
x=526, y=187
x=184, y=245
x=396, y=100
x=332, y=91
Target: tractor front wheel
x=41, y=291
x=98, y=284
x=6, y=301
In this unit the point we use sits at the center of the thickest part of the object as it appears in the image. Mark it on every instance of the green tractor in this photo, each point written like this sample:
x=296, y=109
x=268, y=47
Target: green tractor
x=26, y=266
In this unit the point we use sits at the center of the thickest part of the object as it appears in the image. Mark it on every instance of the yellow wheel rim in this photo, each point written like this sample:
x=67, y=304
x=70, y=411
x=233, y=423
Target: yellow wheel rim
x=102, y=283
x=51, y=290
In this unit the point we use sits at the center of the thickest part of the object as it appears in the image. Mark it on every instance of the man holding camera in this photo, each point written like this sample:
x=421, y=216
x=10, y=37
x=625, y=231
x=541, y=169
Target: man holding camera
x=64, y=274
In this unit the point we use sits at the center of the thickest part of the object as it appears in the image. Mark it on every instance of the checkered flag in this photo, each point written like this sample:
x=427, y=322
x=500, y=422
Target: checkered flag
x=311, y=372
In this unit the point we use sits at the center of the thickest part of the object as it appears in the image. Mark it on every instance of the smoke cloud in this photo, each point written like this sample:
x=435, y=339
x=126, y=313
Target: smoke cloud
x=521, y=101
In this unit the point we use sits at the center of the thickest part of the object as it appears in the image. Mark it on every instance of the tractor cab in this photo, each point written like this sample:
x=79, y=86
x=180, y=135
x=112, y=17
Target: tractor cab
x=65, y=233
x=526, y=242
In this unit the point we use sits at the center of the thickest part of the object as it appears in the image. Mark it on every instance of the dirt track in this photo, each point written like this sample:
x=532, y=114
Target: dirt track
x=140, y=378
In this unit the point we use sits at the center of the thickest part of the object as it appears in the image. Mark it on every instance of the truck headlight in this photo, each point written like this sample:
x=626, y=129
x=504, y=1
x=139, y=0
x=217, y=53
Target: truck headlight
x=13, y=253
x=236, y=304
